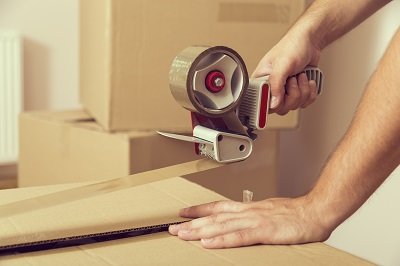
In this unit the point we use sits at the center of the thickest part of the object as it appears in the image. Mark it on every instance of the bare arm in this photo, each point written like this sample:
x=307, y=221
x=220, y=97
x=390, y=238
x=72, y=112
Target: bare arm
x=370, y=150
x=368, y=153
x=323, y=22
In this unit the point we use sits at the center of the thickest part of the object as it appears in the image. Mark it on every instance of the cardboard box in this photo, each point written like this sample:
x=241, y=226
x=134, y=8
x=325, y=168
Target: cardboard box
x=149, y=204
x=65, y=147
x=127, y=47
x=8, y=175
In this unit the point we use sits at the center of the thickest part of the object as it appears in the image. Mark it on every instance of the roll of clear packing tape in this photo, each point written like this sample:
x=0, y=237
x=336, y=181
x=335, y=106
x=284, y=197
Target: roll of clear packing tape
x=208, y=80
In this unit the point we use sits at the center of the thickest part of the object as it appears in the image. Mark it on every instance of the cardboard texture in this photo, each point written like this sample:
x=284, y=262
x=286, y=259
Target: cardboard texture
x=8, y=176
x=106, y=186
x=127, y=46
x=148, y=204
x=66, y=147
x=258, y=173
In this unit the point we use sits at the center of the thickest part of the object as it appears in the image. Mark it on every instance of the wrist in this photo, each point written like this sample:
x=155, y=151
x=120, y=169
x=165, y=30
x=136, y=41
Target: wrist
x=309, y=28
x=325, y=214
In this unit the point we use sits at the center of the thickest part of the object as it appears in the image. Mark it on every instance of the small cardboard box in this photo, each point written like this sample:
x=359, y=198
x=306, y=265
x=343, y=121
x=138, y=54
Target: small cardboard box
x=127, y=46
x=65, y=147
x=132, y=207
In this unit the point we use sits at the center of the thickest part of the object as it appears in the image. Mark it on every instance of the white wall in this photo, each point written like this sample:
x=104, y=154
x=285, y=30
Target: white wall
x=372, y=232
x=50, y=31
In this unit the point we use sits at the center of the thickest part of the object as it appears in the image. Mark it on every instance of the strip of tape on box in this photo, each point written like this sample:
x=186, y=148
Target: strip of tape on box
x=107, y=186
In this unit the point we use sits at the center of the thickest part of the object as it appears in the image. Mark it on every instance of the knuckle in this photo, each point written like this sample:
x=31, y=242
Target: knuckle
x=313, y=95
x=227, y=206
x=221, y=241
x=241, y=236
x=303, y=80
x=306, y=91
x=223, y=226
x=304, y=105
x=294, y=92
x=294, y=107
x=216, y=206
x=292, y=83
x=213, y=218
x=187, y=226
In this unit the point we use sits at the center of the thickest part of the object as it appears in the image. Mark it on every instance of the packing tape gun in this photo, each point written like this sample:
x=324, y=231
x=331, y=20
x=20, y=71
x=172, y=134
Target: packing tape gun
x=226, y=106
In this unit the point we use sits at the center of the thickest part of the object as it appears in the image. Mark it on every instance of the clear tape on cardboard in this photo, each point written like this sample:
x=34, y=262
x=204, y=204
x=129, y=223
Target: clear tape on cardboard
x=104, y=187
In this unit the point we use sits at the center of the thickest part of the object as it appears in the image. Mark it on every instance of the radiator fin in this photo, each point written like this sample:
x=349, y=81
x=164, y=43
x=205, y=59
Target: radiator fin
x=10, y=94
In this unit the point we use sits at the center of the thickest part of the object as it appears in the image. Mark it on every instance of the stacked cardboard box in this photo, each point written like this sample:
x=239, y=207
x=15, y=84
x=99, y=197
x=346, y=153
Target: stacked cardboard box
x=132, y=208
x=127, y=47
x=68, y=146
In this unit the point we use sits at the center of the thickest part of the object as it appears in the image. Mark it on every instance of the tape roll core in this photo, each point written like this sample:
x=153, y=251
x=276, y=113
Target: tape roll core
x=190, y=87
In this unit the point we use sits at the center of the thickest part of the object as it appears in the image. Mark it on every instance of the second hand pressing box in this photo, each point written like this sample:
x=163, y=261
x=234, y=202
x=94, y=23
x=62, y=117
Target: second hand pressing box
x=65, y=147
x=127, y=46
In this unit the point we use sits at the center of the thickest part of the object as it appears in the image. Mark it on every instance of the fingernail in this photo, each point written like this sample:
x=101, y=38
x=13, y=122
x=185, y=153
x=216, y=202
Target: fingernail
x=207, y=240
x=173, y=227
x=274, y=101
x=183, y=210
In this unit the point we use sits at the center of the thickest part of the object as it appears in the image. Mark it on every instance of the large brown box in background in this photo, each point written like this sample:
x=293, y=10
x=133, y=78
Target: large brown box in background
x=127, y=47
x=65, y=147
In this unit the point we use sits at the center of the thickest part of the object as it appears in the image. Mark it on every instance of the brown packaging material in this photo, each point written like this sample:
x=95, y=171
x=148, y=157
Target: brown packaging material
x=127, y=47
x=152, y=203
x=65, y=147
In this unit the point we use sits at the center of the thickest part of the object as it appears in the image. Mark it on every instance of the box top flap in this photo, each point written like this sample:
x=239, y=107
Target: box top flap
x=152, y=203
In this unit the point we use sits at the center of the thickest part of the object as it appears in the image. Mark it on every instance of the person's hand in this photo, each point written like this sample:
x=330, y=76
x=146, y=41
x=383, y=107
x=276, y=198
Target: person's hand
x=283, y=62
x=226, y=224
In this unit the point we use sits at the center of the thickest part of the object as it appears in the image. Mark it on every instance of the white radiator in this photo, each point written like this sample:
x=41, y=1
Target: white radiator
x=10, y=94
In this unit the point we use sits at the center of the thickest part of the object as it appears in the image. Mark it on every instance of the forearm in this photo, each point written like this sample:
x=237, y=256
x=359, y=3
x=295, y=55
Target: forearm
x=326, y=20
x=369, y=151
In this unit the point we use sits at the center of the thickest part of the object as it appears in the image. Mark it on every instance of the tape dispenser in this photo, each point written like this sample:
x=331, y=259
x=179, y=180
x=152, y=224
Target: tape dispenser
x=227, y=108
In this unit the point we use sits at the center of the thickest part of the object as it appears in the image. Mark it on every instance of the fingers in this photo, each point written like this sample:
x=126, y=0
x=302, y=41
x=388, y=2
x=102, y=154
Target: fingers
x=215, y=229
x=200, y=222
x=292, y=97
x=205, y=221
x=300, y=92
x=212, y=208
x=313, y=93
x=220, y=231
x=305, y=90
x=212, y=213
x=235, y=239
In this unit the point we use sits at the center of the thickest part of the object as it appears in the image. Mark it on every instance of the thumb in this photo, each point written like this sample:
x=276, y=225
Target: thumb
x=277, y=81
